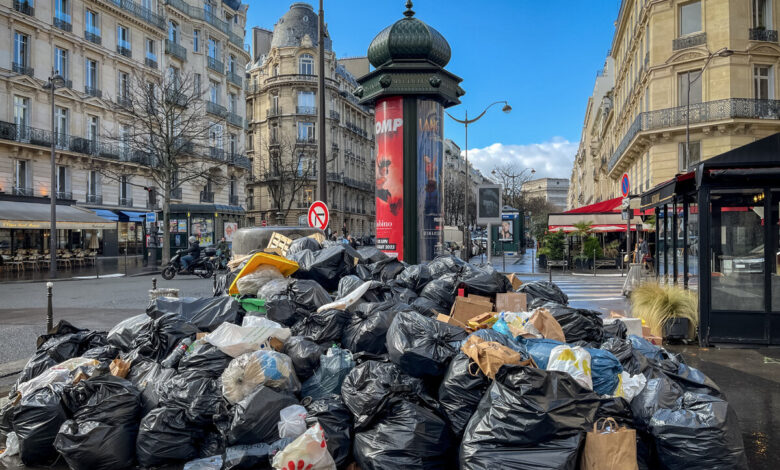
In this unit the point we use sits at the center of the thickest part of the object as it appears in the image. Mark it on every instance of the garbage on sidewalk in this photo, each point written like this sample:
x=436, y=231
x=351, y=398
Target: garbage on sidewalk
x=320, y=356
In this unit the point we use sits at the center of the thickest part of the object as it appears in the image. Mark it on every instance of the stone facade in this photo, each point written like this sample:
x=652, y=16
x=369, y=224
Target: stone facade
x=638, y=126
x=552, y=190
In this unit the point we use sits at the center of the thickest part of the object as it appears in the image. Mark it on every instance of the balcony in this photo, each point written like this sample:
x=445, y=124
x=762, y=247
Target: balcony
x=235, y=120
x=689, y=41
x=140, y=12
x=335, y=115
x=24, y=7
x=233, y=200
x=709, y=111
x=92, y=34
x=123, y=48
x=273, y=112
x=22, y=69
x=151, y=61
x=124, y=101
x=176, y=95
x=216, y=65
x=310, y=110
x=216, y=153
x=22, y=191
x=306, y=140
x=176, y=50
x=92, y=91
x=94, y=199
x=126, y=202
x=62, y=21
x=206, y=196
x=216, y=109
x=64, y=195
x=176, y=194
x=239, y=160
x=762, y=34
x=43, y=138
x=235, y=79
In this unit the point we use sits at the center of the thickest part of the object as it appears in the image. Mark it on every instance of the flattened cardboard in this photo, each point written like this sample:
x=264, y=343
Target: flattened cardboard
x=449, y=320
x=479, y=298
x=516, y=282
x=511, y=302
x=465, y=308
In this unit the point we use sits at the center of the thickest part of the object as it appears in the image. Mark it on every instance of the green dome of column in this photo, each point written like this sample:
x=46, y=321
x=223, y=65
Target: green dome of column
x=409, y=39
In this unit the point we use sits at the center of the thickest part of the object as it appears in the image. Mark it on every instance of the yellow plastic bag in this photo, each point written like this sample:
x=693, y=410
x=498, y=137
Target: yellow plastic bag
x=574, y=361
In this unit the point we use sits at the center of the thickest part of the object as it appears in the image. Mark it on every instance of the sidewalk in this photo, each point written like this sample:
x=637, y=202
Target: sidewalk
x=106, y=266
x=524, y=264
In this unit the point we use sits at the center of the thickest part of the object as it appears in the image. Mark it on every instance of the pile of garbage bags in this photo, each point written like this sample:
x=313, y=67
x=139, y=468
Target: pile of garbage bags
x=345, y=362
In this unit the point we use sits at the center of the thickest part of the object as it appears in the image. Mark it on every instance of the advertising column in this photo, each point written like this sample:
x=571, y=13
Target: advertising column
x=429, y=177
x=389, y=176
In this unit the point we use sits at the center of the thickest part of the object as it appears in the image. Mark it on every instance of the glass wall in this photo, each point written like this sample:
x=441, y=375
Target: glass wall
x=775, y=273
x=692, y=240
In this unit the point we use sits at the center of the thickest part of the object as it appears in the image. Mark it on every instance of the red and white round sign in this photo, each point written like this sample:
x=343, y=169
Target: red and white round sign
x=318, y=215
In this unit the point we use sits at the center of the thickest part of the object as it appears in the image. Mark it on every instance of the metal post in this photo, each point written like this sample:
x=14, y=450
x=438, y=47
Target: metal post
x=549, y=269
x=215, y=281
x=53, y=194
x=128, y=234
x=49, y=310
x=322, y=180
x=154, y=283
x=688, y=120
x=467, y=189
x=594, y=262
x=489, y=245
x=685, y=243
x=533, y=259
x=503, y=256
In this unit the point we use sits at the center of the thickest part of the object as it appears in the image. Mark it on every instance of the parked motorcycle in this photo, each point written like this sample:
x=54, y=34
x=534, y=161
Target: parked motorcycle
x=200, y=267
x=219, y=260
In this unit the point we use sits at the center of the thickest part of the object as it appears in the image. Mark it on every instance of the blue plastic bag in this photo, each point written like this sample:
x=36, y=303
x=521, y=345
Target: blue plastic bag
x=327, y=380
x=605, y=369
x=502, y=327
x=540, y=349
x=647, y=348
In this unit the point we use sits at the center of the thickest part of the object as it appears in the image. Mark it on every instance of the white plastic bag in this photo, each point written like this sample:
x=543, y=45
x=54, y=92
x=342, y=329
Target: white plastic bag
x=348, y=300
x=264, y=367
x=11, y=446
x=59, y=373
x=252, y=282
x=630, y=386
x=260, y=321
x=292, y=421
x=574, y=361
x=309, y=451
x=207, y=463
x=235, y=340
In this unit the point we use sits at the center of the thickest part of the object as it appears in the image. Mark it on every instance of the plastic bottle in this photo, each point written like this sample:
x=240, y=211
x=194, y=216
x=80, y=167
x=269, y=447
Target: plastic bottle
x=175, y=356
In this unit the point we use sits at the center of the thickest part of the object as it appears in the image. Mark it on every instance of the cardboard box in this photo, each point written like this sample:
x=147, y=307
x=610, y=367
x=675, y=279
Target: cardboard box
x=511, y=302
x=450, y=321
x=200, y=335
x=465, y=308
x=516, y=282
x=646, y=331
x=480, y=298
x=486, y=319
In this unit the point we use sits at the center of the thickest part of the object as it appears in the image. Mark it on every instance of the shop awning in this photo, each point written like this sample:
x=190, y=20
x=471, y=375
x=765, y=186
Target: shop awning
x=106, y=214
x=31, y=215
x=134, y=216
x=604, y=216
x=206, y=209
x=602, y=228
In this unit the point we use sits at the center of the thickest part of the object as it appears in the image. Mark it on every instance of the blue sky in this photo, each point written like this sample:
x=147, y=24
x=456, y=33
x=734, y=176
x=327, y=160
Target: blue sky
x=542, y=57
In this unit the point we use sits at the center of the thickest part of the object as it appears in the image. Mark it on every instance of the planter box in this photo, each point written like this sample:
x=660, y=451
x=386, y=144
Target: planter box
x=676, y=328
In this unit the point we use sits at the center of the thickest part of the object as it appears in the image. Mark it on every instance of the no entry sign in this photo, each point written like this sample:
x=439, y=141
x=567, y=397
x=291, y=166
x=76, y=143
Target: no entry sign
x=624, y=186
x=318, y=215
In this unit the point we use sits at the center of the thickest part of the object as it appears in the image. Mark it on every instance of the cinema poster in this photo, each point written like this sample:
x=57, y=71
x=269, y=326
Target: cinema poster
x=429, y=177
x=390, y=176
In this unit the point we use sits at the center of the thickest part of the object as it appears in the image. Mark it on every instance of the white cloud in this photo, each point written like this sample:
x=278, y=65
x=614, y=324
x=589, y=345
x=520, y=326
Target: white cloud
x=550, y=159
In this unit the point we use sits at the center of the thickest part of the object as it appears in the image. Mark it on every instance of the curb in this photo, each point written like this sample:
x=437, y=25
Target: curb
x=12, y=368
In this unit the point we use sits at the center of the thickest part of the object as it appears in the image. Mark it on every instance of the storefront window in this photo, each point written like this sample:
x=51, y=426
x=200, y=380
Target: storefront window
x=203, y=228
x=737, y=255
x=775, y=277
x=692, y=239
x=5, y=242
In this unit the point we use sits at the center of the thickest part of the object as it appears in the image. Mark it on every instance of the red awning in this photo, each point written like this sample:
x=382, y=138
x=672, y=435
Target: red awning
x=599, y=228
x=610, y=205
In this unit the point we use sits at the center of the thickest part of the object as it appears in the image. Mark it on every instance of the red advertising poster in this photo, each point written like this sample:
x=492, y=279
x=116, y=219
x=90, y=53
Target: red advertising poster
x=390, y=176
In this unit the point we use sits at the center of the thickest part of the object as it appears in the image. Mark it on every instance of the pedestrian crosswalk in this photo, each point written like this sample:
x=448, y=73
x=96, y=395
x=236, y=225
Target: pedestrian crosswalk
x=592, y=289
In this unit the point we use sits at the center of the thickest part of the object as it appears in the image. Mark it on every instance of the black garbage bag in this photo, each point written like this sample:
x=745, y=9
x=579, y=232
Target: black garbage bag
x=305, y=355
x=442, y=291
x=205, y=313
x=224, y=281
x=460, y=392
x=486, y=282
x=444, y=264
x=621, y=348
x=415, y=277
x=255, y=417
x=529, y=418
x=371, y=386
x=103, y=431
x=205, y=359
x=335, y=419
x=363, y=272
x=166, y=437
x=327, y=380
x=371, y=254
x=401, y=294
x=303, y=243
x=366, y=330
x=36, y=422
x=616, y=329
x=428, y=307
x=308, y=295
x=422, y=346
x=101, y=353
x=213, y=443
x=659, y=393
x=347, y=284
x=699, y=432
x=386, y=269
x=408, y=435
x=326, y=266
x=321, y=327
x=289, y=300
x=200, y=396
x=149, y=376
x=254, y=456
x=160, y=336
x=124, y=333
x=538, y=293
x=579, y=324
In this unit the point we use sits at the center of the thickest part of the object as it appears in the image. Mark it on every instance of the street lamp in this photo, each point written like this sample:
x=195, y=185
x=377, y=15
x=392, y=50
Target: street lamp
x=466, y=121
x=493, y=172
x=723, y=52
x=56, y=80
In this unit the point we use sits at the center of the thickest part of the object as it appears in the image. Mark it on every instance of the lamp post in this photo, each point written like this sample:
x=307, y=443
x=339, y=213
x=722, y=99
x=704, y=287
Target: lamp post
x=723, y=52
x=466, y=121
x=54, y=81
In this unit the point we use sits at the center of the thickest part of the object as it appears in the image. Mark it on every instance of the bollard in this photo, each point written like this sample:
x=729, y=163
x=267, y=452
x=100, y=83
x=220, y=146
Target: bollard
x=154, y=283
x=594, y=263
x=549, y=270
x=49, y=311
x=215, y=282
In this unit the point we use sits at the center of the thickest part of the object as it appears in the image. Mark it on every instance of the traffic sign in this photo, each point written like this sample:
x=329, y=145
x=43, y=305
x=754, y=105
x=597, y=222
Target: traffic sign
x=318, y=215
x=264, y=223
x=624, y=186
x=151, y=217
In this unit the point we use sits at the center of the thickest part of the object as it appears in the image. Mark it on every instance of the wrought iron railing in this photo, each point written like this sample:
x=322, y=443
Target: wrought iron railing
x=206, y=196
x=126, y=202
x=311, y=110
x=92, y=91
x=151, y=61
x=762, y=34
x=22, y=191
x=124, y=101
x=306, y=139
x=94, y=199
x=335, y=114
x=689, y=41
x=92, y=34
x=235, y=119
x=709, y=111
x=123, y=47
x=216, y=65
x=64, y=194
x=235, y=79
x=140, y=12
x=22, y=69
x=24, y=7
x=62, y=21
x=215, y=109
x=216, y=153
x=176, y=50
x=176, y=194
x=273, y=112
x=233, y=200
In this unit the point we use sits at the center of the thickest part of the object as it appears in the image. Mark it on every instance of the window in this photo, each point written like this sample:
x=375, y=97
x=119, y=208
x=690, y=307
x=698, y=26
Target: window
x=250, y=141
x=208, y=8
x=61, y=62
x=687, y=160
x=233, y=143
x=232, y=103
x=173, y=32
x=62, y=10
x=196, y=83
x=647, y=171
x=235, y=19
x=306, y=102
x=124, y=139
x=63, y=183
x=124, y=189
x=214, y=92
x=232, y=63
x=123, y=88
x=61, y=125
x=690, y=18
x=213, y=48
x=21, y=52
x=306, y=131
x=173, y=77
x=306, y=64
x=91, y=25
x=694, y=78
x=215, y=135
x=93, y=185
x=233, y=187
x=763, y=82
x=22, y=180
x=276, y=70
x=91, y=78
x=21, y=111
x=93, y=128
x=275, y=104
x=150, y=54
x=196, y=40
x=123, y=40
x=762, y=14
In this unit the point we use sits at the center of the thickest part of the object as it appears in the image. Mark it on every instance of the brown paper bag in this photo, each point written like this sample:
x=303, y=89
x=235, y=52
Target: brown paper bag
x=615, y=450
x=547, y=325
x=489, y=356
x=119, y=368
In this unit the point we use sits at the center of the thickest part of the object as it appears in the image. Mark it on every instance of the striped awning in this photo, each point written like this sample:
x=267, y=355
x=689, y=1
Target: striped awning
x=32, y=215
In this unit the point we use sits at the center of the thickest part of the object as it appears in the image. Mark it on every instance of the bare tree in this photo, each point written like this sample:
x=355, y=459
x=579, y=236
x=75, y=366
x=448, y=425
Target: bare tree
x=512, y=178
x=288, y=168
x=453, y=201
x=168, y=132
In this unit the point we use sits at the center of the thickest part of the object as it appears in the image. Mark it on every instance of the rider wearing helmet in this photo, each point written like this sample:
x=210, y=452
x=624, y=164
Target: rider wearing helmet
x=193, y=252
